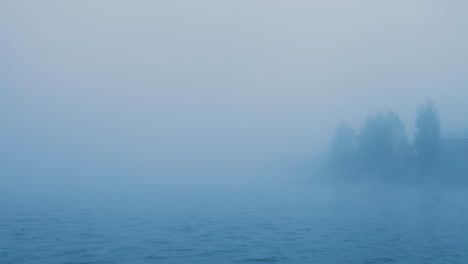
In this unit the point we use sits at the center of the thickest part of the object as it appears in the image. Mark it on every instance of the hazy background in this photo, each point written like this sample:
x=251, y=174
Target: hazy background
x=147, y=93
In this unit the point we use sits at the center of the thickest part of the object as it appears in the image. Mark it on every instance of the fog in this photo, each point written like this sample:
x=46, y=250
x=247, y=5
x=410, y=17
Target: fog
x=143, y=94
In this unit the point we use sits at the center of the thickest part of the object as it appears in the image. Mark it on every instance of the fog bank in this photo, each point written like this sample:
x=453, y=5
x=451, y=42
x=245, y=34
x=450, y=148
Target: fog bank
x=118, y=94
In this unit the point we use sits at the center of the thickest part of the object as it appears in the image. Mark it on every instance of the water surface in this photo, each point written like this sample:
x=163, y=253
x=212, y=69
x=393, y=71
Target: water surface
x=283, y=225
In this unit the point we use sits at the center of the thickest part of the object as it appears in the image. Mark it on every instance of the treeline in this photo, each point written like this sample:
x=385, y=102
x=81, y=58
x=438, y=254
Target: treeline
x=381, y=149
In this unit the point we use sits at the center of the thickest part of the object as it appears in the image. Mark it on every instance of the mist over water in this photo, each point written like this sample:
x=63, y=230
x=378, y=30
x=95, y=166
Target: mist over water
x=372, y=224
x=233, y=132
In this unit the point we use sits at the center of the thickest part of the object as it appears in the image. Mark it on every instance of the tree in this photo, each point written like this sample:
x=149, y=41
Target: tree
x=427, y=138
x=382, y=143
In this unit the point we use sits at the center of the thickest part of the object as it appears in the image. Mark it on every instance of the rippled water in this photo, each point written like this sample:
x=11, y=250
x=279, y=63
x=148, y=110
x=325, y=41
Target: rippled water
x=322, y=225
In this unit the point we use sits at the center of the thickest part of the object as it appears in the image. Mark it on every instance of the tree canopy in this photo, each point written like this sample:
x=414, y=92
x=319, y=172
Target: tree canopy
x=427, y=138
x=381, y=147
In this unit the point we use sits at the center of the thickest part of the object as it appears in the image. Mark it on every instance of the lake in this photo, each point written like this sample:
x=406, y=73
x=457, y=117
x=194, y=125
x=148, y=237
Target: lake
x=290, y=224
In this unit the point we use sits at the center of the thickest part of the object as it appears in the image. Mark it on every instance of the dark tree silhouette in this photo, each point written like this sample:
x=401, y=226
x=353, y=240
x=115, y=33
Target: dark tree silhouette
x=381, y=151
x=427, y=139
x=382, y=143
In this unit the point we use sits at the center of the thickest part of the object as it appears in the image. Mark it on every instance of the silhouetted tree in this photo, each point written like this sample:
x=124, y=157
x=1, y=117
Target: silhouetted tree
x=427, y=138
x=382, y=143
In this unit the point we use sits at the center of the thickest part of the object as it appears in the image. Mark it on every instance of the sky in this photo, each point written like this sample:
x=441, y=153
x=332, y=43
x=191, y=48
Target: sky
x=146, y=91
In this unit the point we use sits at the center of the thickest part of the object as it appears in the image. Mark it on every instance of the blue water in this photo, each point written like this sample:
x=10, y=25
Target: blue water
x=303, y=225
